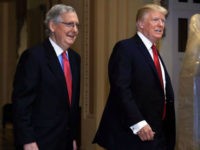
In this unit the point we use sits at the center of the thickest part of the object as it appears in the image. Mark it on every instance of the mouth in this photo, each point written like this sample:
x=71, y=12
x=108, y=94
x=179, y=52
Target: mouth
x=71, y=36
x=159, y=31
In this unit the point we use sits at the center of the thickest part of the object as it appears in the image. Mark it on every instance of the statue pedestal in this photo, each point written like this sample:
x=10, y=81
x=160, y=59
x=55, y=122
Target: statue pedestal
x=188, y=120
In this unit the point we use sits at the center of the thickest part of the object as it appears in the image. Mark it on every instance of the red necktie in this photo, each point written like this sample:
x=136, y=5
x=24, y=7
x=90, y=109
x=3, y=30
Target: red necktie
x=67, y=73
x=158, y=68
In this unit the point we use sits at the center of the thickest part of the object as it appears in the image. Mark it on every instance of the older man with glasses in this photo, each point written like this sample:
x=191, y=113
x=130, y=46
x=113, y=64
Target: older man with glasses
x=46, y=87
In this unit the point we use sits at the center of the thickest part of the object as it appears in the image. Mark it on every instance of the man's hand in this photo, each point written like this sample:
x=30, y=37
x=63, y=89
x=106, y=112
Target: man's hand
x=31, y=146
x=146, y=133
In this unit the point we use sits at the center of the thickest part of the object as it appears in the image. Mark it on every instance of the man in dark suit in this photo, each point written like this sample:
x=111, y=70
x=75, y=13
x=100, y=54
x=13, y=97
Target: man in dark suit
x=45, y=105
x=139, y=114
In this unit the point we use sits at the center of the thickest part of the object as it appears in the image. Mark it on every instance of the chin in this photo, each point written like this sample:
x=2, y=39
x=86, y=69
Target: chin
x=159, y=37
x=70, y=42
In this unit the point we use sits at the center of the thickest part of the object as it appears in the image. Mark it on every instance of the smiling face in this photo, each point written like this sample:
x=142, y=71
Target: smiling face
x=65, y=32
x=152, y=25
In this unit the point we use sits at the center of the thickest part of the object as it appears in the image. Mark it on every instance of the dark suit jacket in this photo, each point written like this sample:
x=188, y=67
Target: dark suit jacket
x=40, y=99
x=135, y=95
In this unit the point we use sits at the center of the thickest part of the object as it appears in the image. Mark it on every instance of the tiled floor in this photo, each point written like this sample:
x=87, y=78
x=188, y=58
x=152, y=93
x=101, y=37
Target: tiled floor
x=6, y=138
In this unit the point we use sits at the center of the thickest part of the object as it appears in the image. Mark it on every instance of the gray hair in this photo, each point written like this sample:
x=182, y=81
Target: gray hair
x=54, y=14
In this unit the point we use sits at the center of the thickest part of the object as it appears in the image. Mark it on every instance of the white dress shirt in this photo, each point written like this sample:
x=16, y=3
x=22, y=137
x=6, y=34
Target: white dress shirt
x=58, y=51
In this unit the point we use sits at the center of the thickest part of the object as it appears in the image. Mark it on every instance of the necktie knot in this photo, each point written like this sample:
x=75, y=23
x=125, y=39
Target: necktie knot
x=64, y=56
x=153, y=46
x=154, y=49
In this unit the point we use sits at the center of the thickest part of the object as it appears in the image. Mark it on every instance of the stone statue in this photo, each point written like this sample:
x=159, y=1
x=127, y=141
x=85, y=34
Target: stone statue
x=188, y=112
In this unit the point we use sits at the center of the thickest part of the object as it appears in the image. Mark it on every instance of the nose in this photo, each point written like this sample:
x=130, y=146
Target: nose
x=162, y=22
x=76, y=28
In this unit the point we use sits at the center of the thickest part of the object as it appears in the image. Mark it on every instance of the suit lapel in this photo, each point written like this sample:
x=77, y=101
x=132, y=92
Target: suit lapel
x=142, y=48
x=54, y=63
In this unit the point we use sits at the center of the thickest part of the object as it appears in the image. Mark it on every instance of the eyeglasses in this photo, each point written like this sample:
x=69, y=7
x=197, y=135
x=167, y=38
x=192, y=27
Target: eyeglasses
x=70, y=24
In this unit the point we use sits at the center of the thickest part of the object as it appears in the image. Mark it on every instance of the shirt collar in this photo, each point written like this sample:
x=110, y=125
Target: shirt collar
x=56, y=47
x=146, y=41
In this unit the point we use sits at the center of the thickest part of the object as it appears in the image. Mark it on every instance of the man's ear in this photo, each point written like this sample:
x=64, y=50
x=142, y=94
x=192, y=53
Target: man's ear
x=52, y=26
x=141, y=24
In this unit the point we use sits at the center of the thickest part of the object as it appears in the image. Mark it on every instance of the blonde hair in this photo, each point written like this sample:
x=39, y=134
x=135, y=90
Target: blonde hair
x=149, y=7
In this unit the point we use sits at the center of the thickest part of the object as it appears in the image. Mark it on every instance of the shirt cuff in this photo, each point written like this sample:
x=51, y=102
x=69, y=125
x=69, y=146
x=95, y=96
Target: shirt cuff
x=136, y=127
